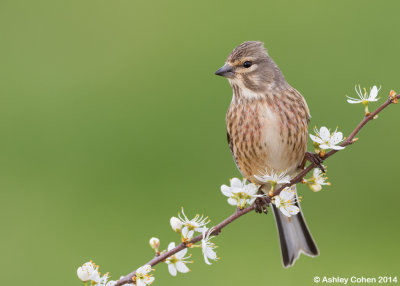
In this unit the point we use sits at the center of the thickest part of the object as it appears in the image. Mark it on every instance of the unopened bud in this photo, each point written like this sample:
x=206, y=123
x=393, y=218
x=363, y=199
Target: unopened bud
x=83, y=274
x=393, y=96
x=176, y=224
x=315, y=187
x=154, y=243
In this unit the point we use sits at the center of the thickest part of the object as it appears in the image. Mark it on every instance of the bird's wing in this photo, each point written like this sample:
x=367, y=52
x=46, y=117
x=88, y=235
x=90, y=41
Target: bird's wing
x=228, y=137
x=305, y=106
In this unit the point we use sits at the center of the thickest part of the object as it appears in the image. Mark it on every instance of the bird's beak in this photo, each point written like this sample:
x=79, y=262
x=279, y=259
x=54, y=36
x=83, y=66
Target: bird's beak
x=225, y=71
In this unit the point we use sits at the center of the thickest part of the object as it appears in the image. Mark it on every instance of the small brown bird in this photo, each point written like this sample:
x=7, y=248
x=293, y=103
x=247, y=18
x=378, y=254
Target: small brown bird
x=267, y=130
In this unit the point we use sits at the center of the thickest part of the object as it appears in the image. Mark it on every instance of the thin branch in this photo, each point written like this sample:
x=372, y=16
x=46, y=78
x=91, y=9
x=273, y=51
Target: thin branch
x=162, y=257
x=349, y=140
x=240, y=212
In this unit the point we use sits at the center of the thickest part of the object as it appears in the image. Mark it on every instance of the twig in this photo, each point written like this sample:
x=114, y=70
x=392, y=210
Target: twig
x=240, y=212
x=349, y=140
x=217, y=229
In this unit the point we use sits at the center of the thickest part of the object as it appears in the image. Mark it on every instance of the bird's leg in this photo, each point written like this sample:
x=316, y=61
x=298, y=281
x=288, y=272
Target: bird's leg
x=261, y=203
x=314, y=159
x=265, y=205
x=258, y=206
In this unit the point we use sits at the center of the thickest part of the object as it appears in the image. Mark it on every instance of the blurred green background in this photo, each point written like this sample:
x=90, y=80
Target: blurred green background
x=111, y=119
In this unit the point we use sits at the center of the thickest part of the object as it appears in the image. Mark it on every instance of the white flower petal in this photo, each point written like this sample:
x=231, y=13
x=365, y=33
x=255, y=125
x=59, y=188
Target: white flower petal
x=171, y=246
x=236, y=183
x=373, y=93
x=211, y=253
x=181, y=253
x=176, y=224
x=140, y=282
x=251, y=189
x=226, y=191
x=185, y=231
x=181, y=267
x=337, y=137
x=293, y=210
x=277, y=201
x=324, y=146
x=353, y=100
x=207, y=246
x=284, y=211
x=172, y=269
x=324, y=133
x=337, y=147
x=287, y=194
x=232, y=202
x=316, y=139
x=206, y=259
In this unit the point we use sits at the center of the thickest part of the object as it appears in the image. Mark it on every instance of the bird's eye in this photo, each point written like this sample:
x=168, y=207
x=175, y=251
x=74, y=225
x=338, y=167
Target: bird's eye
x=247, y=64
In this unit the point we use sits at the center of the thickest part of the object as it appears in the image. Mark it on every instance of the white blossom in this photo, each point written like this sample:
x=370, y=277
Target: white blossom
x=176, y=224
x=239, y=193
x=317, y=180
x=177, y=262
x=89, y=271
x=325, y=140
x=191, y=225
x=154, y=243
x=208, y=247
x=274, y=178
x=364, y=98
x=286, y=200
x=112, y=283
x=142, y=276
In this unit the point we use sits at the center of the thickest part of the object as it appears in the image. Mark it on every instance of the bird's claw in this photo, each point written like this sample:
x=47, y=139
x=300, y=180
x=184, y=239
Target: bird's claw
x=315, y=160
x=261, y=205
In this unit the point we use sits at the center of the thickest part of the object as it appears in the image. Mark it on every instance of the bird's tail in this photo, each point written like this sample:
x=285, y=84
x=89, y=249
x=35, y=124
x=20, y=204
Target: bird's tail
x=294, y=236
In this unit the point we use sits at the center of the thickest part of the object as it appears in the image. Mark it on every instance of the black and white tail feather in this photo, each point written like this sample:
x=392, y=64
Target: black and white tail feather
x=294, y=236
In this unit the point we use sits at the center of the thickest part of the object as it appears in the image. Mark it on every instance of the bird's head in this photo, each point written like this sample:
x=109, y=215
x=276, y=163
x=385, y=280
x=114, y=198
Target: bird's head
x=250, y=67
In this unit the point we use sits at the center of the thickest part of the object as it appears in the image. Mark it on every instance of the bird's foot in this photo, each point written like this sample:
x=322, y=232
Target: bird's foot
x=315, y=160
x=261, y=205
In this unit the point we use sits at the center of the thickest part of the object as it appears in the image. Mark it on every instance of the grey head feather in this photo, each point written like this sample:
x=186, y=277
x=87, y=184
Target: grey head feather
x=265, y=73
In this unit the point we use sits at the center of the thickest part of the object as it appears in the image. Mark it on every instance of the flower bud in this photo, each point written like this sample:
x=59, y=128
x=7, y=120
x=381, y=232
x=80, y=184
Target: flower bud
x=315, y=187
x=392, y=94
x=176, y=224
x=83, y=274
x=87, y=271
x=154, y=243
